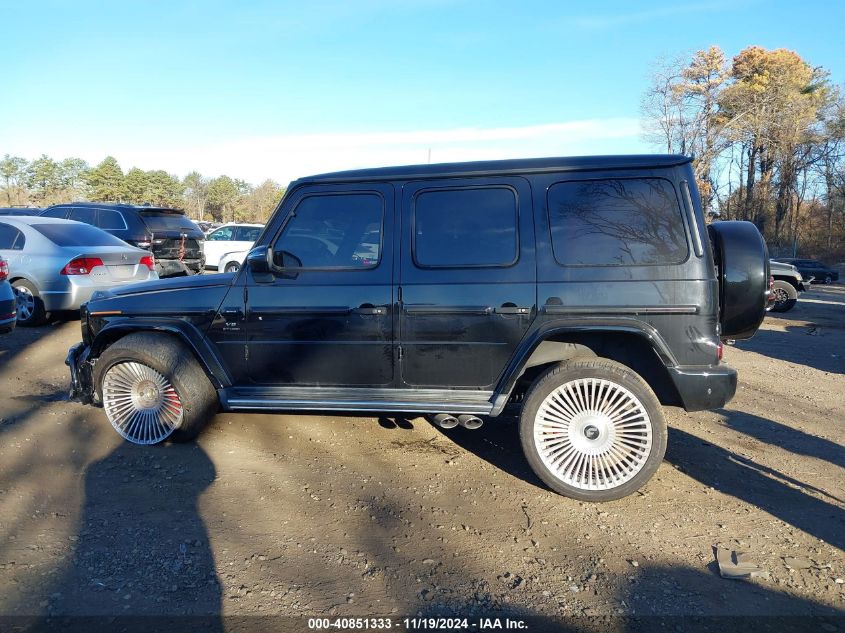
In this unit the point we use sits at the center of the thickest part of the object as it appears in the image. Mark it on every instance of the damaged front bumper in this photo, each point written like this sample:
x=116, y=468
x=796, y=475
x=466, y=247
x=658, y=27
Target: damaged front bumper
x=81, y=380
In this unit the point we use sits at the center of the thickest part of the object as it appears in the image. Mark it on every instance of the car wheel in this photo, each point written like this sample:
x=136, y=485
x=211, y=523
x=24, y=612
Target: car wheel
x=30, y=307
x=232, y=267
x=786, y=296
x=828, y=280
x=592, y=429
x=152, y=389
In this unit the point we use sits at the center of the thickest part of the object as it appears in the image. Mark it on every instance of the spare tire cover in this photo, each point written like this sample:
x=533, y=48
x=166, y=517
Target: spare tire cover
x=742, y=263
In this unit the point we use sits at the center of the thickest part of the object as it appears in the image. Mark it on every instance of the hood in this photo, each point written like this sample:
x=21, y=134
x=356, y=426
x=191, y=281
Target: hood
x=781, y=267
x=171, y=283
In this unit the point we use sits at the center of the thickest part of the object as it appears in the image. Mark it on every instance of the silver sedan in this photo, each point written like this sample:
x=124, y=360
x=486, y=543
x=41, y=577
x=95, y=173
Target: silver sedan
x=57, y=264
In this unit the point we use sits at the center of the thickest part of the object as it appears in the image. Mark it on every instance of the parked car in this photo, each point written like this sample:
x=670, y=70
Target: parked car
x=174, y=240
x=8, y=302
x=20, y=211
x=57, y=264
x=788, y=282
x=231, y=262
x=228, y=238
x=812, y=268
x=580, y=292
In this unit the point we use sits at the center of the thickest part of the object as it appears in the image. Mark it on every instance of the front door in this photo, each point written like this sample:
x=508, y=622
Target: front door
x=326, y=318
x=467, y=280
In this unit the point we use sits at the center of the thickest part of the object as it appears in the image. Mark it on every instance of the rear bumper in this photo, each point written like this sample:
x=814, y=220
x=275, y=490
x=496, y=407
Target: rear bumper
x=172, y=267
x=704, y=388
x=74, y=290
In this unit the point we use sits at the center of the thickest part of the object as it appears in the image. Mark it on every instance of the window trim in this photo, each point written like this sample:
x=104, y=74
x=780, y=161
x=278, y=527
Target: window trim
x=605, y=178
x=119, y=214
x=417, y=264
x=320, y=194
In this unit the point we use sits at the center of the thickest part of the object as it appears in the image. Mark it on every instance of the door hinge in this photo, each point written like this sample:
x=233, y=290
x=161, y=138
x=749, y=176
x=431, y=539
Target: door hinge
x=399, y=352
x=246, y=352
x=399, y=294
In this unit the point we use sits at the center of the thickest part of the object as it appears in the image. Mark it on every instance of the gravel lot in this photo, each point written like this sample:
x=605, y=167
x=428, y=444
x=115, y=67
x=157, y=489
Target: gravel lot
x=363, y=516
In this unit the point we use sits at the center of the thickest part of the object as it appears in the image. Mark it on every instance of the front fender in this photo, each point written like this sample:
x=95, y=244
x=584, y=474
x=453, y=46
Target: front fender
x=184, y=330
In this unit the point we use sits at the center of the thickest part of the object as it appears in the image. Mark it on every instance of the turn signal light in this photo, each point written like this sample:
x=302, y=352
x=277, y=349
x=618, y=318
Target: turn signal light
x=81, y=265
x=4, y=269
x=719, y=350
x=148, y=261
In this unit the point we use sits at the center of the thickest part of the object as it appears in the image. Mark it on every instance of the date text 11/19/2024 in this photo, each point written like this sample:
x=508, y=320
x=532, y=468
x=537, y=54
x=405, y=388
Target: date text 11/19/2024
x=415, y=624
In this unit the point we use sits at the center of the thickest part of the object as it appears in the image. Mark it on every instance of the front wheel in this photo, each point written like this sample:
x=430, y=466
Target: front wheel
x=828, y=280
x=592, y=429
x=152, y=389
x=232, y=267
x=786, y=296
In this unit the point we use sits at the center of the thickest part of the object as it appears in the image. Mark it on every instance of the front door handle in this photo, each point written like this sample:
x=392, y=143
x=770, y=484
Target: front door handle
x=371, y=310
x=512, y=310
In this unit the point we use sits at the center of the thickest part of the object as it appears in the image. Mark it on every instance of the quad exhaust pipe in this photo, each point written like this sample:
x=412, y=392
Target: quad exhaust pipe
x=470, y=422
x=449, y=421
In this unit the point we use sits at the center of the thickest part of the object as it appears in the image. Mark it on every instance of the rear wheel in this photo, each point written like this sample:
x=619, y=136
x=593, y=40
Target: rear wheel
x=592, y=430
x=828, y=279
x=30, y=307
x=786, y=296
x=152, y=389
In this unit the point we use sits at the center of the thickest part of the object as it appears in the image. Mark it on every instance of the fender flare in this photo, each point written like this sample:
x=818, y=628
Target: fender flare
x=186, y=332
x=519, y=361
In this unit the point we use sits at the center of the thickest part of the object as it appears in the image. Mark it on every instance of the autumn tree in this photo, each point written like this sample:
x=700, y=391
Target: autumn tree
x=13, y=171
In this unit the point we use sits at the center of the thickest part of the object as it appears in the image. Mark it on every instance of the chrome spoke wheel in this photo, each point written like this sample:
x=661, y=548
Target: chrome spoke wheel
x=25, y=303
x=140, y=403
x=593, y=434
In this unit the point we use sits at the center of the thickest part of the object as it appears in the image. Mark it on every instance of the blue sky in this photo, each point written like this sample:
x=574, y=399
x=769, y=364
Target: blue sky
x=279, y=90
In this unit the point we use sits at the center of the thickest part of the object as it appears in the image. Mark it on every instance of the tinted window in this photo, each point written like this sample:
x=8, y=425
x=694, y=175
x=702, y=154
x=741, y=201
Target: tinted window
x=160, y=221
x=465, y=227
x=616, y=222
x=11, y=239
x=61, y=212
x=221, y=235
x=77, y=235
x=247, y=233
x=83, y=214
x=111, y=220
x=332, y=231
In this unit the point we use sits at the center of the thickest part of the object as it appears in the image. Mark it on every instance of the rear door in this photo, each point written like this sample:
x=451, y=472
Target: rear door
x=467, y=279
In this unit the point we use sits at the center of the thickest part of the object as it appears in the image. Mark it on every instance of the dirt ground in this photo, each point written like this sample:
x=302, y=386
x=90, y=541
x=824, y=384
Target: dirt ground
x=365, y=516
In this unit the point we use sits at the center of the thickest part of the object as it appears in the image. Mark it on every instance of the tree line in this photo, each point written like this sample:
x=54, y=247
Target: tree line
x=45, y=181
x=767, y=132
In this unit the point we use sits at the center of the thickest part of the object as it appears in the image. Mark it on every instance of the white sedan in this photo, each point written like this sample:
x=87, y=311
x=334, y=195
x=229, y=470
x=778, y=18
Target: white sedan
x=228, y=238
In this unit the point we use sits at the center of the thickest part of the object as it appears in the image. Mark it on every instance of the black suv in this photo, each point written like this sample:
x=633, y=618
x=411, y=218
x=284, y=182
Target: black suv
x=812, y=268
x=172, y=237
x=580, y=292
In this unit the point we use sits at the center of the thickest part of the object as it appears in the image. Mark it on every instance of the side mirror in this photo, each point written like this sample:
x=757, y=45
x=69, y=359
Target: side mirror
x=260, y=259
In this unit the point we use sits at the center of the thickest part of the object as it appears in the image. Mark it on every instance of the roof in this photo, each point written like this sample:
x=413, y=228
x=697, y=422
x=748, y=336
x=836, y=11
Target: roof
x=36, y=219
x=498, y=167
x=116, y=205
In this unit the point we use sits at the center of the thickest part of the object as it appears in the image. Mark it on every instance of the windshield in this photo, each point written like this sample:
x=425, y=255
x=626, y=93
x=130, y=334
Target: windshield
x=63, y=234
x=161, y=221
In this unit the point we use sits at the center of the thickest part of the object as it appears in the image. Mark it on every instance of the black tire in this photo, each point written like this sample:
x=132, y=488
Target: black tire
x=828, y=280
x=197, y=397
x=786, y=296
x=647, y=428
x=30, y=306
x=232, y=267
